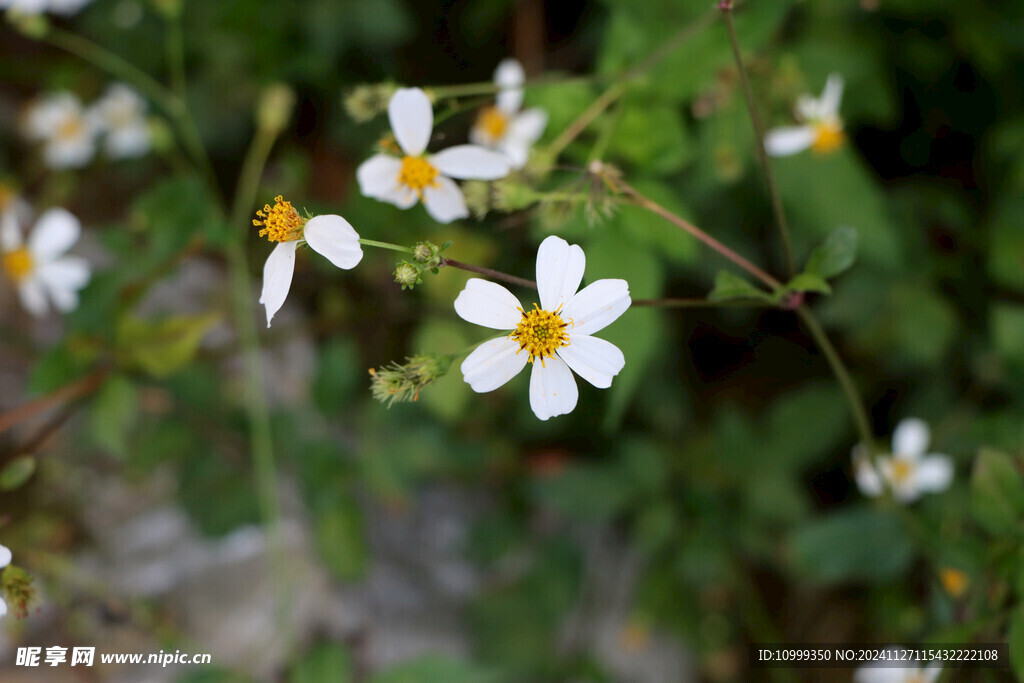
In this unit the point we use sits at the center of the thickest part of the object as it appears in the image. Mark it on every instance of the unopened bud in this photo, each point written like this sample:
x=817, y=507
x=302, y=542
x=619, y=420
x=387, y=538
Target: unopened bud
x=168, y=9
x=30, y=25
x=407, y=275
x=160, y=135
x=275, y=107
x=366, y=102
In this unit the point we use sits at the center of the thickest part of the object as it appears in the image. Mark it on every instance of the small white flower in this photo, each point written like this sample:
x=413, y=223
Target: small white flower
x=504, y=127
x=67, y=133
x=5, y=559
x=878, y=672
x=416, y=176
x=907, y=472
x=64, y=7
x=557, y=333
x=822, y=129
x=330, y=236
x=40, y=269
x=121, y=115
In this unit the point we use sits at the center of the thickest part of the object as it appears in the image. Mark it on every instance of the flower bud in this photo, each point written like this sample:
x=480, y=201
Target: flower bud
x=34, y=26
x=402, y=382
x=275, y=107
x=407, y=275
x=366, y=102
x=168, y=9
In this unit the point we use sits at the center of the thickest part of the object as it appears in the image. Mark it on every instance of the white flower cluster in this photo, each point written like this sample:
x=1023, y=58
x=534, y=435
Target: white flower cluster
x=907, y=472
x=69, y=132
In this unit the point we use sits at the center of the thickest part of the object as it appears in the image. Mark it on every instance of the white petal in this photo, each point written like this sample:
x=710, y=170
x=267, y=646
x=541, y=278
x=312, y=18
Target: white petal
x=593, y=359
x=3, y=607
x=597, y=305
x=934, y=473
x=445, y=201
x=831, y=96
x=517, y=151
x=910, y=437
x=33, y=298
x=277, y=277
x=559, y=271
x=510, y=77
x=471, y=162
x=334, y=238
x=553, y=389
x=54, y=233
x=378, y=175
x=62, y=279
x=412, y=119
x=782, y=142
x=5, y=556
x=492, y=364
x=10, y=233
x=488, y=304
x=868, y=480
x=529, y=125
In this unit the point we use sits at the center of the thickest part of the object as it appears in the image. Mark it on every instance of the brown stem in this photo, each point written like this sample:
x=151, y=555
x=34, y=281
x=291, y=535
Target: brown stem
x=496, y=274
x=693, y=230
x=68, y=392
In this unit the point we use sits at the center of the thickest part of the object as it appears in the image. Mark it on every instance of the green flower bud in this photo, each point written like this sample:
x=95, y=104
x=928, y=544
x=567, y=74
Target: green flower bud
x=366, y=102
x=275, y=107
x=34, y=26
x=407, y=275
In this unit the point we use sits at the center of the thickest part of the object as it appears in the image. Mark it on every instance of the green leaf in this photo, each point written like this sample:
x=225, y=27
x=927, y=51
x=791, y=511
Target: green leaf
x=650, y=137
x=326, y=662
x=1015, y=639
x=161, y=347
x=835, y=255
x=17, y=472
x=997, y=492
x=434, y=669
x=858, y=544
x=114, y=412
x=809, y=282
x=341, y=540
x=731, y=286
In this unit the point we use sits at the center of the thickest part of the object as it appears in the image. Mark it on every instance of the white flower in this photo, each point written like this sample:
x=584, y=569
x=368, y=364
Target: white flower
x=68, y=135
x=878, y=672
x=121, y=115
x=428, y=177
x=39, y=269
x=5, y=559
x=504, y=127
x=330, y=236
x=557, y=333
x=907, y=472
x=65, y=7
x=822, y=129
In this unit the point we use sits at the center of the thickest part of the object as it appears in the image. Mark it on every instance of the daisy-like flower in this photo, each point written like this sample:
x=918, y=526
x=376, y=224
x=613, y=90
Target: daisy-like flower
x=416, y=175
x=40, y=269
x=553, y=337
x=821, y=129
x=504, y=126
x=121, y=115
x=880, y=673
x=5, y=559
x=330, y=236
x=907, y=472
x=67, y=133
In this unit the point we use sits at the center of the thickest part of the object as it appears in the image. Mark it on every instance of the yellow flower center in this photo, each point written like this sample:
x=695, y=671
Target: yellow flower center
x=493, y=122
x=281, y=222
x=540, y=333
x=417, y=174
x=901, y=470
x=954, y=581
x=71, y=128
x=17, y=264
x=828, y=137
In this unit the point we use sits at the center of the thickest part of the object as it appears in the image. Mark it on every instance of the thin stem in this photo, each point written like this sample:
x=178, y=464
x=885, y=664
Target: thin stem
x=587, y=117
x=693, y=230
x=762, y=155
x=385, y=245
x=175, y=43
x=68, y=392
x=839, y=370
x=489, y=272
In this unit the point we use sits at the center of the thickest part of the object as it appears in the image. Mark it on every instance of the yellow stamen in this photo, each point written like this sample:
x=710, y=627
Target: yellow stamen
x=417, y=174
x=901, y=470
x=828, y=137
x=281, y=222
x=71, y=128
x=17, y=264
x=954, y=581
x=493, y=122
x=540, y=333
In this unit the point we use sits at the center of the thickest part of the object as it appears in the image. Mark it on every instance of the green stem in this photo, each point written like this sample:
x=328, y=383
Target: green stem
x=175, y=42
x=762, y=154
x=842, y=374
x=385, y=245
x=587, y=117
